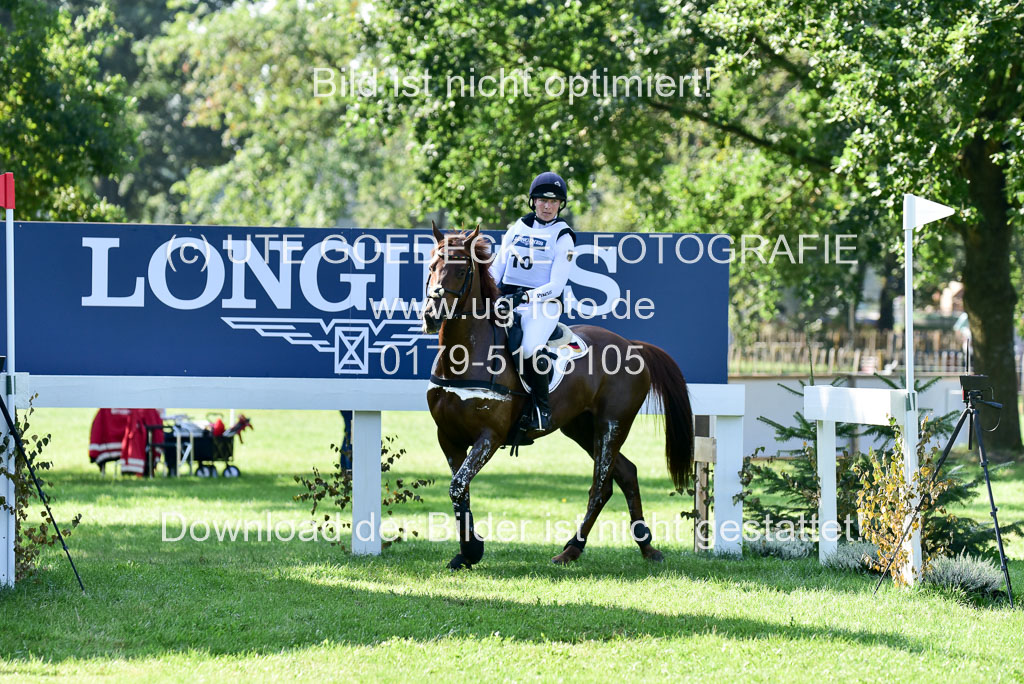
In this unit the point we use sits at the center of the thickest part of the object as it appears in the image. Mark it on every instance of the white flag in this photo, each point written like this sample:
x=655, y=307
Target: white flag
x=917, y=211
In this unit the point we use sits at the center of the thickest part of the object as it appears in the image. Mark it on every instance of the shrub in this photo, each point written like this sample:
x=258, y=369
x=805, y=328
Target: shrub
x=29, y=540
x=946, y=534
x=781, y=548
x=972, y=575
x=795, y=485
x=856, y=555
x=886, y=501
x=336, y=488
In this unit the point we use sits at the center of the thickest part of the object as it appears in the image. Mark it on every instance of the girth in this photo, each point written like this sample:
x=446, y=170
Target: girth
x=476, y=384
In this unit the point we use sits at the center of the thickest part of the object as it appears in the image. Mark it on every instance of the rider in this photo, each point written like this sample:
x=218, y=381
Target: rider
x=531, y=268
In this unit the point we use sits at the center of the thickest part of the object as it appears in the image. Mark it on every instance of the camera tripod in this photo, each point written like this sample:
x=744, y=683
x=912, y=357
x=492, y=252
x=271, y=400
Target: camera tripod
x=973, y=389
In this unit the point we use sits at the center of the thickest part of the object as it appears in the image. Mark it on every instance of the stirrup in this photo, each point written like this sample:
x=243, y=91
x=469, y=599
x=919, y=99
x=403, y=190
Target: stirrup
x=540, y=419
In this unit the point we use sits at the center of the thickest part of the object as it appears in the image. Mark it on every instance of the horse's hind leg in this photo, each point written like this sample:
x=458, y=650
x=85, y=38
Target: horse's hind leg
x=581, y=431
x=606, y=438
x=625, y=477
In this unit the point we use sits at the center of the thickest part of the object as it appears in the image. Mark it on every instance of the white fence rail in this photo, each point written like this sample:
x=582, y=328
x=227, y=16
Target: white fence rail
x=726, y=403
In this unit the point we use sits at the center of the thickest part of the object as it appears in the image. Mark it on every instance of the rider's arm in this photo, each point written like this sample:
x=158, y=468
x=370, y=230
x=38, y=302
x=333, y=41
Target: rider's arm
x=500, y=258
x=560, y=269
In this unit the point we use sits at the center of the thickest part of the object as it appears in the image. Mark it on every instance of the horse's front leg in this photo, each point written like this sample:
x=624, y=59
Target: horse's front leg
x=471, y=546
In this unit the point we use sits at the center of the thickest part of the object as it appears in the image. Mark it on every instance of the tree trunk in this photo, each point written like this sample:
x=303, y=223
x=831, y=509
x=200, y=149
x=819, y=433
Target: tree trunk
x=891, y=284
x=989, y=297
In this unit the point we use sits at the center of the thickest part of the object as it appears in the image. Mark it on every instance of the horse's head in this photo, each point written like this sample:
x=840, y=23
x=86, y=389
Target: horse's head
x=452, y=266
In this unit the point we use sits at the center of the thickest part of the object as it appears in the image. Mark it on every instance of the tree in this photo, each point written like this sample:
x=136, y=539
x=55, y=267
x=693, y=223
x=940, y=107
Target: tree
x=167, y=149
x=289, y=158
x=917, y=97
x=62, y=123
x=864, y=100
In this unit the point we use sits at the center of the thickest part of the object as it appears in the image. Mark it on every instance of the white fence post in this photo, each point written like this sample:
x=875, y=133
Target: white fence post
x=366, y=482
x=725, y=404
x=917, y=211
x=728, y=513
x=6, y=517
x=912, y=570
x=828, y=542
x=17, y=398
x=8, y=458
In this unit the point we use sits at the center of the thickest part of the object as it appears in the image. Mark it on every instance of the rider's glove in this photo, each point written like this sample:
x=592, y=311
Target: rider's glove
x=503, y=307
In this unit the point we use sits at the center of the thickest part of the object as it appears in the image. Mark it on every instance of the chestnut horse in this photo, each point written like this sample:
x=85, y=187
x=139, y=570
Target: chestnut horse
x=476, y=399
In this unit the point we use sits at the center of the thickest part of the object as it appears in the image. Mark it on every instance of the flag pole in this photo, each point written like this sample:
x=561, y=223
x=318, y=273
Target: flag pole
x=910, y=436
x=917, y=211
x=8, y=182
x=9, y=459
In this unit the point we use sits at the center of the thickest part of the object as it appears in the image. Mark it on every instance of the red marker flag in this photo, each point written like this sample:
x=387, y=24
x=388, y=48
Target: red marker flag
x=7, y=190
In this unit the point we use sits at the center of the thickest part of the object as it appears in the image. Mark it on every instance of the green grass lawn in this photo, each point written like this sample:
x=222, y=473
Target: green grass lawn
x=298, y=610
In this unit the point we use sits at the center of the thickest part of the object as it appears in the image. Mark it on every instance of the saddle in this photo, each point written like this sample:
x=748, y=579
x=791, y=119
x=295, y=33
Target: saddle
x=563, y=346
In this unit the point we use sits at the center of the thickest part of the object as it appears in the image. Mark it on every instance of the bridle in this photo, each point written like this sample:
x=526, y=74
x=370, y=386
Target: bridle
x=467, y=282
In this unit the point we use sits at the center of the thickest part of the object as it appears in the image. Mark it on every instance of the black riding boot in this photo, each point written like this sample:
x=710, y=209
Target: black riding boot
x=538, y=370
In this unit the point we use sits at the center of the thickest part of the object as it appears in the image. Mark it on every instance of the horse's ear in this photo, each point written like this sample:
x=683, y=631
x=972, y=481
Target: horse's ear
x=472, y=236
x=437, y=234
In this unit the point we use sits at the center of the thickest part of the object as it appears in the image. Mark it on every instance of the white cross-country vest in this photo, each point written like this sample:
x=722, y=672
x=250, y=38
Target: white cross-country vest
x=530, y=250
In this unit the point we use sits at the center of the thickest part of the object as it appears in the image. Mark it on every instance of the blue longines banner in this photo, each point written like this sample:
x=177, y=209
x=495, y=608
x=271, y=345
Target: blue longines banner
x=202, y=301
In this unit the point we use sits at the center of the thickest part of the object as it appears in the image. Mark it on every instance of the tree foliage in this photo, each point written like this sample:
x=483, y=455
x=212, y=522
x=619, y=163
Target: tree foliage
x=291, y=158
x=819, y=118
x=62, y=122
x=168, y=149
x=784, y=119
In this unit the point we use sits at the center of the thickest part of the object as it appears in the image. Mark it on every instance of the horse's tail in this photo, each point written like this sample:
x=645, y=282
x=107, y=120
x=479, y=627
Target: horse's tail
x=669, y=387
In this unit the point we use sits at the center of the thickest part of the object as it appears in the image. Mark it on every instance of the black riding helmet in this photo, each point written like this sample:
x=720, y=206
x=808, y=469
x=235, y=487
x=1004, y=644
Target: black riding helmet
x=549, y=185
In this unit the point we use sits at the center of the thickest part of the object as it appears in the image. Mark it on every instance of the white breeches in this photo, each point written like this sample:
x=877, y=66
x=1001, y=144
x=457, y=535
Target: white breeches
x=539, y=321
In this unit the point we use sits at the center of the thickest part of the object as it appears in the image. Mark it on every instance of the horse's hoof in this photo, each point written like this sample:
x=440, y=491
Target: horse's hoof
x=570, y=554
x=472, y=551
x=459, y=563
x=654, y=555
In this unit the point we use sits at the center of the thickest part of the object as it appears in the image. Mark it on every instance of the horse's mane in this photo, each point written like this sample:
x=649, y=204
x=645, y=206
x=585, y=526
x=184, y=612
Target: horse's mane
x=456, y=245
